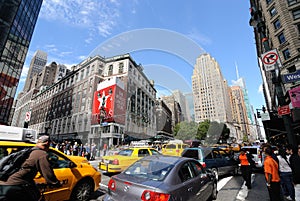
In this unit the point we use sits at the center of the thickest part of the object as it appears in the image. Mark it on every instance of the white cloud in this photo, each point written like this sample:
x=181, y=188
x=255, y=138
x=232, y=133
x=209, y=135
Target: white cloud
x=24, y=73
x=197, y=36
x=260, y=89
x=95, y=15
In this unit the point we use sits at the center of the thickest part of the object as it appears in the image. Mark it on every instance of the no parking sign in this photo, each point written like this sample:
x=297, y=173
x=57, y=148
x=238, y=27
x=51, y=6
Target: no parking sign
x=270, y=59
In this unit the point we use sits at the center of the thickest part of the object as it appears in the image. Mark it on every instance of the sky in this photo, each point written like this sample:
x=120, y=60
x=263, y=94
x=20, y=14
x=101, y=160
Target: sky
x=165, y=37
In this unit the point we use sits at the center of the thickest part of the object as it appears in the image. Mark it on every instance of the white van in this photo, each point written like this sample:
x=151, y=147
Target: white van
x=256, y=153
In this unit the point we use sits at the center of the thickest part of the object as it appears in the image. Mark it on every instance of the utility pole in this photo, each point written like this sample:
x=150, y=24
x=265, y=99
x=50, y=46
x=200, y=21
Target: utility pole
x=257, y=22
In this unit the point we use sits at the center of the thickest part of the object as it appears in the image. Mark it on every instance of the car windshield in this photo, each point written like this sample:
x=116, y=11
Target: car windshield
x=125, y=152
x=152, y=170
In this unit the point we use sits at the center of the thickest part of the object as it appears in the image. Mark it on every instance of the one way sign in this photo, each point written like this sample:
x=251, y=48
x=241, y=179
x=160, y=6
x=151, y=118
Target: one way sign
x=270, y=59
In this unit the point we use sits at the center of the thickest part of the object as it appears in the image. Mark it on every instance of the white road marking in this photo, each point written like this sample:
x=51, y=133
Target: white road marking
x=243, y=193
x=223, y=182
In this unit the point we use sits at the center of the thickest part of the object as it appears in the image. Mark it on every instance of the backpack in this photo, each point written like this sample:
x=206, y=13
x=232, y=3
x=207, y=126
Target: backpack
x=12, y=163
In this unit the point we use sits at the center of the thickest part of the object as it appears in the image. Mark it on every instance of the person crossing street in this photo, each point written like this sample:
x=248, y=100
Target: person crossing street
x=246, y=163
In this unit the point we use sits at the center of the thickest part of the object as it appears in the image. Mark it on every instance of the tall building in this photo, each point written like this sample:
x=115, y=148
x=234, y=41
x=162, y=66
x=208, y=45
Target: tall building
x=37, y=64
x=211, y=98
x=180, y=98
x=49, y=75
x=17, y=22
x=102, y=100
x=276, y=29
x=239, y=113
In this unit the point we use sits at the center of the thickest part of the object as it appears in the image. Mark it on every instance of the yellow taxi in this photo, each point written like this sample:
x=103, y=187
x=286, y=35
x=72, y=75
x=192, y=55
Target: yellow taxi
x=174, y=149
x=124, y=158
x=79, y=178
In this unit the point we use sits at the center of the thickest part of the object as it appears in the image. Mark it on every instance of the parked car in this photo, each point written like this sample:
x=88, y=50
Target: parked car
x=174, y=149
x=218, y=160
x=256, y=152
x=163, y=178
x=80, y=179
x=124, y=158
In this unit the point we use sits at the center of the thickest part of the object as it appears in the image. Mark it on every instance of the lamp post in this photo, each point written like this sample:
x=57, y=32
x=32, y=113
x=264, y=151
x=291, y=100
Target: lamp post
x=257, y=22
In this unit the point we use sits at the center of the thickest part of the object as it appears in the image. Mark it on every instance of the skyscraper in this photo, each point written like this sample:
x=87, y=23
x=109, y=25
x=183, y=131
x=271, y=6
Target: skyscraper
x=17, y=22
x=210, y=91
x=37, y=64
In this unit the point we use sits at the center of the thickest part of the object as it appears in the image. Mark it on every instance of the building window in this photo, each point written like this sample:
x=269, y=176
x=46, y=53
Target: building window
x=291, y=2
x=273, y=11
x=110, y=70
x=269, y=1
x=292, y=69
x=277, y=24
x=296, y=14
x=281, y=38
x=298, y=28
x=286, y=54
x=121, y=67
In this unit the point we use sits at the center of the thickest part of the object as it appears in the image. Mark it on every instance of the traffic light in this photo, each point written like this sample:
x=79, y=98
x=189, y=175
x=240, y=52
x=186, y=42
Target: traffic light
x=255, y=16
x=258, y=114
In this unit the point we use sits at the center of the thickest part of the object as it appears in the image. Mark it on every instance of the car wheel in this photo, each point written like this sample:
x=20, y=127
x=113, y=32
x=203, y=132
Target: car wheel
x=214, y=192
x=82, y=191
x=215, y=171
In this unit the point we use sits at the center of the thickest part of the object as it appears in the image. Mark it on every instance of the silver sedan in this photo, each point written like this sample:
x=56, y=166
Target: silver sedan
x=163, y=178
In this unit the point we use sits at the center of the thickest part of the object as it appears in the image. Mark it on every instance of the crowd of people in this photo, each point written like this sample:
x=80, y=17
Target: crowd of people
x=281, y=167
x=76, y=149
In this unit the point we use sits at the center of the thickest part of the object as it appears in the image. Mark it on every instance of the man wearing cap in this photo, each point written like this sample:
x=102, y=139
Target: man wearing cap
x=21, y=185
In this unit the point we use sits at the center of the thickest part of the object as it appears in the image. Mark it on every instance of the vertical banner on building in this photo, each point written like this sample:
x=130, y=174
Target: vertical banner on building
x=295, y=97
x=109, y=102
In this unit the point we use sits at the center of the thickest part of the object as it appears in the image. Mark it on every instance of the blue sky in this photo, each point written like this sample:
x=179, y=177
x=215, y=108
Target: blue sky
x=165, y=36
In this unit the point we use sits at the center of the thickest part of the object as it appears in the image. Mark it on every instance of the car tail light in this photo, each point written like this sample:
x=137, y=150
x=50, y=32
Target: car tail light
x=203, y=164
x=112, y=185
x=177, y=150
x=115, y=162
x=154, y=196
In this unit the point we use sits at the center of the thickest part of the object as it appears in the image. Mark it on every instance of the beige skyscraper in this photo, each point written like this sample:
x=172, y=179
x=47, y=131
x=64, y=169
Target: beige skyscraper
x=37, y=64
x=211, y=99
x=239, y=112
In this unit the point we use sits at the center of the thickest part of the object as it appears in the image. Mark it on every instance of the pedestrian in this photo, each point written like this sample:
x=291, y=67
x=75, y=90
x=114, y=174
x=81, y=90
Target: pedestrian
x=104, y=149
x=295, y=165
x=271, y=169
x=20, y=186
x=246, y=167
x=286, y=176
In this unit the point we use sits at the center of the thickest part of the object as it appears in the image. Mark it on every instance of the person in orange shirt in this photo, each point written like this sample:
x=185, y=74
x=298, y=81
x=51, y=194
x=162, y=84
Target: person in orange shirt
x=246, y=169
x=272, y=175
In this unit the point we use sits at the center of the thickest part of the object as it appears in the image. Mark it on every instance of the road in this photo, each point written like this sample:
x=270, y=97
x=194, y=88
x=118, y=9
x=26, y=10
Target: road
x=231, y=188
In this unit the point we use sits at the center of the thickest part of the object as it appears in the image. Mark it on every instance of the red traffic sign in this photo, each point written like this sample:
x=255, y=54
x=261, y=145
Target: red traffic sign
x=270, y=58
x=284, y=110
x=27, y=116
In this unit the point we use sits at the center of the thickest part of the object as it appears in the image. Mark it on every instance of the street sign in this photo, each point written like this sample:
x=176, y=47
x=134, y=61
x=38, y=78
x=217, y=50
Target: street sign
x=27, y=116
x=291, y=77
x=265, y=116
x=284, y=110
x=270, y=59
